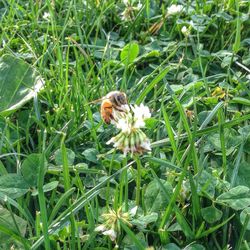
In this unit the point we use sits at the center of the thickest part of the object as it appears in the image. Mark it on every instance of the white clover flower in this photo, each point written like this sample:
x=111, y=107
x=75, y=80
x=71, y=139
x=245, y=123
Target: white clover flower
x=126, y=2
x=131, y=138
x=46, y=16
x=100, y=228
x=139, y=5
x=111, y=233
x=106, y=231
x=124, y=125
x=133, y=211
x=174, y=9
x=141, y=113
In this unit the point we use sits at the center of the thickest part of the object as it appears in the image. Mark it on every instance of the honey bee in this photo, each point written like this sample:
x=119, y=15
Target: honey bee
x=113, y=100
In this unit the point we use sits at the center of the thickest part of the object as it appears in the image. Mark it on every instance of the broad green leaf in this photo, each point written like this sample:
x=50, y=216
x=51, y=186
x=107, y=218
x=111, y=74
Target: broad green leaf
x=206, y=183
x=143, y=221
x=231, y=141
x=154, y=198
x=129, y=244
x=243, y=215
x=91, y=154
x=19, y=82
x=70, y=157
x=237, y=198
x=47, y=187
x=211, y=214
x=175, y=227
x=30, y=169
x=170, y=246
x=195, y=247
x=245, y=131
x=7, y=221
x=243, y=176
x=129, y=53
x=13, y=185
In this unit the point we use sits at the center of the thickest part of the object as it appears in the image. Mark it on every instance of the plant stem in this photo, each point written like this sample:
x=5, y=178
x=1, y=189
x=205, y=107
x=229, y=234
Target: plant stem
x=138, y=180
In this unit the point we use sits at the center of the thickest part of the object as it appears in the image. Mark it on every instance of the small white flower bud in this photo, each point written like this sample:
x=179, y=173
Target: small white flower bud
x=185, y=31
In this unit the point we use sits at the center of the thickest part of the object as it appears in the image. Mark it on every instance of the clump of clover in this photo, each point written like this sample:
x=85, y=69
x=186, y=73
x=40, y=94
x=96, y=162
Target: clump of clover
x=131, y=138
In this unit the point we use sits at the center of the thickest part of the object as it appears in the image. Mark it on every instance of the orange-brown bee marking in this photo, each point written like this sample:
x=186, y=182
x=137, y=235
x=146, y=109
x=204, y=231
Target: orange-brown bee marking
x=113, y=100
x=106, y=111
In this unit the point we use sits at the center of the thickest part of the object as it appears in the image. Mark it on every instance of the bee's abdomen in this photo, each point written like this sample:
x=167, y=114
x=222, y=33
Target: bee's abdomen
x=106, y=111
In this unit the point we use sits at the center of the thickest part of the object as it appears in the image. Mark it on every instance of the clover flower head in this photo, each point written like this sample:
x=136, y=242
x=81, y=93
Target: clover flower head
x=130, y=9
x=111, y=225
x=131, y=139
x=174, y=9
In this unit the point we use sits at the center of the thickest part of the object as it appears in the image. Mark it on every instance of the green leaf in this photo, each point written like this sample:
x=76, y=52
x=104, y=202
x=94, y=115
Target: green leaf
x=195, y=247
x=129, y=53
x=47, y=187
x=143, y=221
x=206, y=183
x=6, y=220
x=30, y=169
x=170, y=246
x=243, y=176
x=154, y=198
x=245, y=131
x=175, y=227
x=132, y=236
x=243, y=215
x=129, y=244
x=19, y=82
x=214, y=228
x=211, y=214
x=3, y=170
x=240, y=100
x=13, y=185
x=237, y=198
x=70, y=157
x=91, y=154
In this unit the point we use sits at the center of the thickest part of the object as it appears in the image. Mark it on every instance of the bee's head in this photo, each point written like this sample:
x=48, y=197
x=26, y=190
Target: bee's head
x=121, y=98
x=118, y=98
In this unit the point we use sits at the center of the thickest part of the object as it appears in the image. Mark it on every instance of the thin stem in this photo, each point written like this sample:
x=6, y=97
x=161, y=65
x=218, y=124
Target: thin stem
x=138, y=180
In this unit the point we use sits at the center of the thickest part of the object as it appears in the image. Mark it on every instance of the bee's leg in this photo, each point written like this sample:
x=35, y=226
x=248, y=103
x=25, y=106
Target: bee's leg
x=120, y=109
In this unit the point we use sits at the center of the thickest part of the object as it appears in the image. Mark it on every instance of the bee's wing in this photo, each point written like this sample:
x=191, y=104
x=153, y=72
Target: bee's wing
x=95, y=101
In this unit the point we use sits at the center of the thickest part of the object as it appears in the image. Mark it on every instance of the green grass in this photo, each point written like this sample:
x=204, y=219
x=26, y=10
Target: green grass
x=58, y=178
